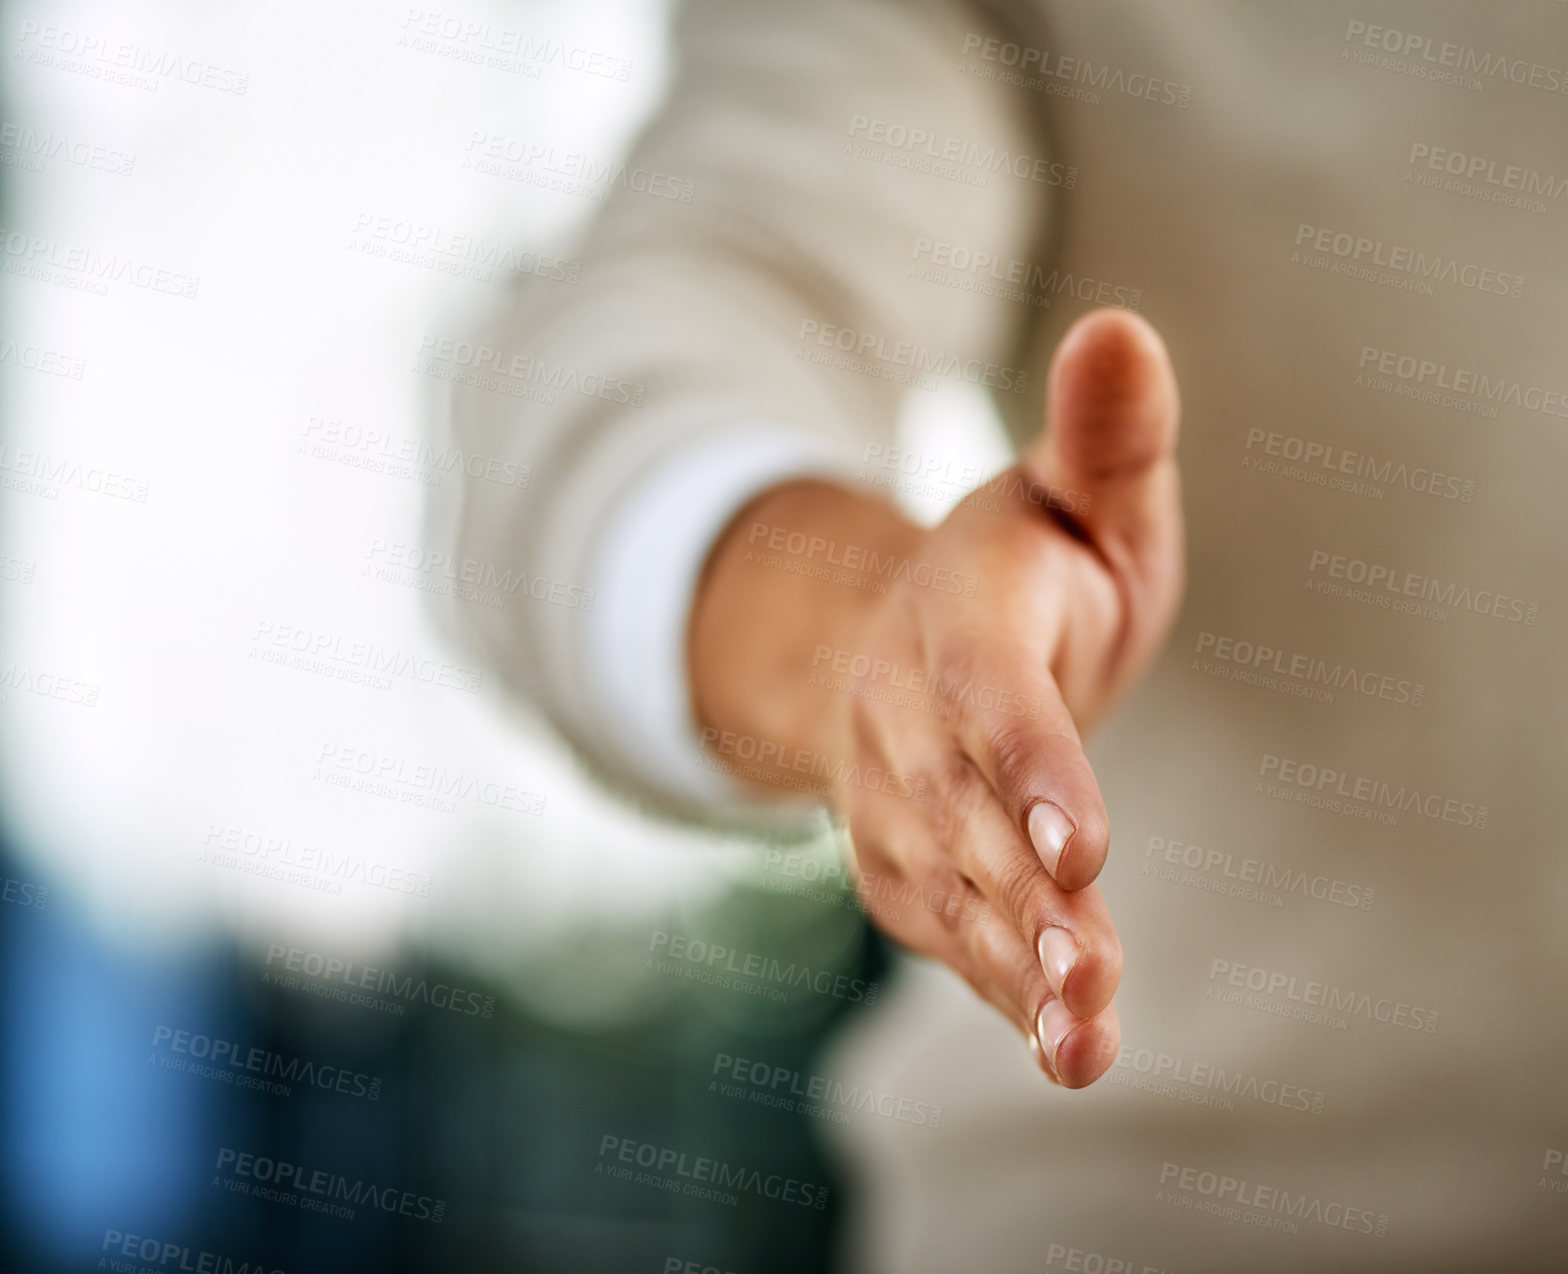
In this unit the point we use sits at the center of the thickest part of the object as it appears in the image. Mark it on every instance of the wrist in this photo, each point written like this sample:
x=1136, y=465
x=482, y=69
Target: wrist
x=799, y=571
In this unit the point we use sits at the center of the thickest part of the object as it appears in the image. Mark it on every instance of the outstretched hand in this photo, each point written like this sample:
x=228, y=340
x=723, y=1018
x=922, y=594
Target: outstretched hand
x=1009, y=629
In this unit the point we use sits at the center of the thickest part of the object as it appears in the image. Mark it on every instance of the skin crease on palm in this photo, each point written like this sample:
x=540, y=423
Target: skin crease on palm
x=1066, y=612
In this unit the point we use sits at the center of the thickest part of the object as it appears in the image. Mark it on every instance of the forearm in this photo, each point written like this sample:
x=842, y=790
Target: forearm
x=712, y=320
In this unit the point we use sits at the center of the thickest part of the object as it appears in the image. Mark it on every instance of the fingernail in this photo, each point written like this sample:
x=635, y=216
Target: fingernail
x=1059, y=951
x=1049, y=829
x=1053, y=1025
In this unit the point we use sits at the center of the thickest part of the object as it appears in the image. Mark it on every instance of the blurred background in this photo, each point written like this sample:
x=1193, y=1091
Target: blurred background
x=264, y=922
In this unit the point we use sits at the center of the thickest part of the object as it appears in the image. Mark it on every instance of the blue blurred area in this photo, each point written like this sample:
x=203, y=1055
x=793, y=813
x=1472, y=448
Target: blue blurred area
x=80, y=1112
x=92, y=1138
x=110, y=1159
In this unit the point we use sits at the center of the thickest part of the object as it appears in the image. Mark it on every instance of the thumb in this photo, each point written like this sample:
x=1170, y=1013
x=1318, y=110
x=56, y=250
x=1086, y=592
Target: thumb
x=1112, y=411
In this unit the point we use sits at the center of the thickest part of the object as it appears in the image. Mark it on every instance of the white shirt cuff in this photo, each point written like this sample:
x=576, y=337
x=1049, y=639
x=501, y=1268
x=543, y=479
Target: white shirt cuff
x=645, y=569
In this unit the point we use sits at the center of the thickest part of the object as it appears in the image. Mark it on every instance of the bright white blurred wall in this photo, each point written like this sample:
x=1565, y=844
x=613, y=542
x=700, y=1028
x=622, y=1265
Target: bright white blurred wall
x=264, y=196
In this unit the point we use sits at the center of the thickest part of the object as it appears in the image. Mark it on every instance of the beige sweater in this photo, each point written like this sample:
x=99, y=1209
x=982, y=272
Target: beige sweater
x=1342, y=1004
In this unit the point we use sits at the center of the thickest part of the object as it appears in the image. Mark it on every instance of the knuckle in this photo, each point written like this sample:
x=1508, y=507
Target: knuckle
x=1018, y=987
x=957, y=661
x=884, y=899
x=1152, y=593
x=1018, y=890
x=866, y=730
x=1025, y=986
x=958, y=789
x=864, y=721
x=879, y=881
x=1014, y=748
x=885, y=907
x=943, y=893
